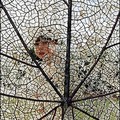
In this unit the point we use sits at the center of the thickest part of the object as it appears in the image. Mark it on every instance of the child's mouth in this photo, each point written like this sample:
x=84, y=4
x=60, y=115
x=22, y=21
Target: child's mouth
x=42, y=53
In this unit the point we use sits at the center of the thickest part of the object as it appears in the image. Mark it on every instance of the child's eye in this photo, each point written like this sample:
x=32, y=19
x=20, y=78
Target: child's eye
x=45, y=42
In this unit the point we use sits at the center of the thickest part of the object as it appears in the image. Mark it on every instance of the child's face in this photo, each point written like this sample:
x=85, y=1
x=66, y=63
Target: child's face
x=45, y=49
x=42, y=49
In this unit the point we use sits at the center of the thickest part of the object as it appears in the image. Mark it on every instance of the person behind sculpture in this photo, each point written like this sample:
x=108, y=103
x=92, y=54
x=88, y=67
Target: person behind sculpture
x=45, y=48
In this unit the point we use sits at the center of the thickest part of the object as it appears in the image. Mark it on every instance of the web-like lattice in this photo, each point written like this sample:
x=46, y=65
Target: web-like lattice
x=60, y=59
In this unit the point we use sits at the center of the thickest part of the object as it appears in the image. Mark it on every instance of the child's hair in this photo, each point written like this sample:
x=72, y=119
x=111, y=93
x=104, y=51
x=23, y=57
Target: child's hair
x=45, y=40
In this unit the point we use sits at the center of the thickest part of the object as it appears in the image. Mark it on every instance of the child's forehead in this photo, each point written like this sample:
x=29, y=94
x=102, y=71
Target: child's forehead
x=45, y=42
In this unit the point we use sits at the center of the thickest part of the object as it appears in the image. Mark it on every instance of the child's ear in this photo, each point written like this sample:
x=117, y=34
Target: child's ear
x=38, y=39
